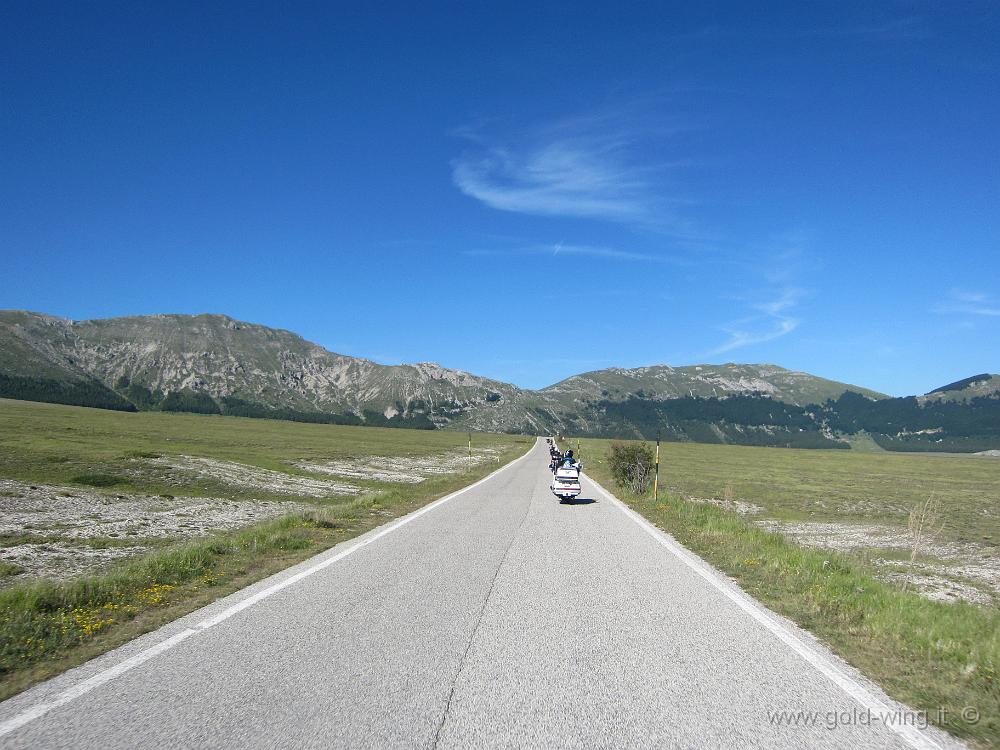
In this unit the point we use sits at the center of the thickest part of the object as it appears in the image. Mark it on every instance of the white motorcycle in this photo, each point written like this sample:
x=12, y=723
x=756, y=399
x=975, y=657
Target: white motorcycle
x=566, y=482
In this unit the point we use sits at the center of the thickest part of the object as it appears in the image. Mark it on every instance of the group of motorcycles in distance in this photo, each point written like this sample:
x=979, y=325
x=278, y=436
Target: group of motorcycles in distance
x=565, y=473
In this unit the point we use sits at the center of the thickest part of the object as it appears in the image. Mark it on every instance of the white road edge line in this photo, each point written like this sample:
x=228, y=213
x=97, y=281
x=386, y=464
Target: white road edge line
x=84, y=687
x=910, y=734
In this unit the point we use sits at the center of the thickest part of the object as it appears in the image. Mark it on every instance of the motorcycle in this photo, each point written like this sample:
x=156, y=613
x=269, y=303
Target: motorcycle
x=566, y=481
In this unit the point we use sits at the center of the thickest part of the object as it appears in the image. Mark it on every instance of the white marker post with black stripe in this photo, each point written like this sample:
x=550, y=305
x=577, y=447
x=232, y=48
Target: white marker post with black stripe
x=656, y=474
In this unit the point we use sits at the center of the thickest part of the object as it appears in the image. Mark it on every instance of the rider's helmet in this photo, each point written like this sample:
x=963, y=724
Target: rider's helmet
x=569, y=454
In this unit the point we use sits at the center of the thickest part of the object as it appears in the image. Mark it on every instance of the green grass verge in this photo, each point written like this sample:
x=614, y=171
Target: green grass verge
x=930, y=655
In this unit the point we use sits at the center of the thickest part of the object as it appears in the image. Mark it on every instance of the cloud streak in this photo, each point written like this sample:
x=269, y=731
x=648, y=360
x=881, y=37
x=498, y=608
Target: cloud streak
x=772, y=320
x=970, y=303
x=582, y=167
x=555, y=179
x=589, y=251
x=910, y=28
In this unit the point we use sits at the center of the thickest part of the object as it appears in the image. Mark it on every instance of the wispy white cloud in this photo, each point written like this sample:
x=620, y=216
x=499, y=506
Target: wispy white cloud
x=591, y=251
x=555, y=179
x=909, y=28
x=770, y=320
x=969, y=303
x=740, y=338
x=772, y=312
x=585, y=167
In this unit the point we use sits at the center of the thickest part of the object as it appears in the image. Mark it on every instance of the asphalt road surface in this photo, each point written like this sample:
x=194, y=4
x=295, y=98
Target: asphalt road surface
x=497, y=617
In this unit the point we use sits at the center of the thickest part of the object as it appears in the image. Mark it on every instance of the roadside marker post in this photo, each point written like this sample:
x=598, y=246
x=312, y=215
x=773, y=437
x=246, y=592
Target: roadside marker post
x=470, y=445
x=656, y=474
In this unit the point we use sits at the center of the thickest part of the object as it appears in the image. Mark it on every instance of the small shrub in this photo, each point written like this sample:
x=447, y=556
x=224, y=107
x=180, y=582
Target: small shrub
x=632, y=466
x=97, y=480
x=9, y=569
x=323, y=519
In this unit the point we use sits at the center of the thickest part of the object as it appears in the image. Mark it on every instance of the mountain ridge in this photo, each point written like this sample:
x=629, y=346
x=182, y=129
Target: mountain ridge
x=215, y=363
x=708, y=379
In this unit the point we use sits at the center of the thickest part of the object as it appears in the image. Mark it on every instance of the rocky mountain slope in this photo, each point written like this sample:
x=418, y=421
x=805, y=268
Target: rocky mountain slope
x=663, y=381
x=150, y=359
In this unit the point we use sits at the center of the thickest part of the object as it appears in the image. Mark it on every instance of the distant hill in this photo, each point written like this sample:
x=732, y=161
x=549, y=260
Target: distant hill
x=705, y=381
x=215, y=364
x=683, y=403
x=984, y=384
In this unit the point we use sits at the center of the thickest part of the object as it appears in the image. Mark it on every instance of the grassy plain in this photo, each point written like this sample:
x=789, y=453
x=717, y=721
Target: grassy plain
x=56, y=444
x=838, y=486
x=939, y=657
x=47, y=626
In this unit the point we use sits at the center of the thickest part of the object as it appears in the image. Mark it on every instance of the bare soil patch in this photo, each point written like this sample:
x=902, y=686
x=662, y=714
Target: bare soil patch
x=63, y=519
x=63, y=560
x=247, y=477
x=743, y=507
x=945, y=571
x=404, y=469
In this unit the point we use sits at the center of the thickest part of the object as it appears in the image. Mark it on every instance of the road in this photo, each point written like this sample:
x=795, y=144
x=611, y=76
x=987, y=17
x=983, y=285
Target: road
x=497, y=617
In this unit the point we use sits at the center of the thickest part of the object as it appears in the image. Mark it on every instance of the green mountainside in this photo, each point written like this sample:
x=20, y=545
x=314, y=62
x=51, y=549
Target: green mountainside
x=967, y=388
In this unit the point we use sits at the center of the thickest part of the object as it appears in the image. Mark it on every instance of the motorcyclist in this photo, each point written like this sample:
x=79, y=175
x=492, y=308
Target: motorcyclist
x=569, y=461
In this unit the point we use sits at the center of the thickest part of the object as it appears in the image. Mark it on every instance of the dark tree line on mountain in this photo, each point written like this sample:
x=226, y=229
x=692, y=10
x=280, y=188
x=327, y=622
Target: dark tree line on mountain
x=852, y=413
x=190, y=401
x=750, y=419
x=74, y=393
x=905, y=424
x=198, y=402
x=237, y=407
x=754, y=419
x=413, y=422
x=131, y=396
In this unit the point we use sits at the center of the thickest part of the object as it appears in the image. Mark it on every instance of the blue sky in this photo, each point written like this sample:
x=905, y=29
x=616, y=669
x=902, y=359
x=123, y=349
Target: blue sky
x=815, y=185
